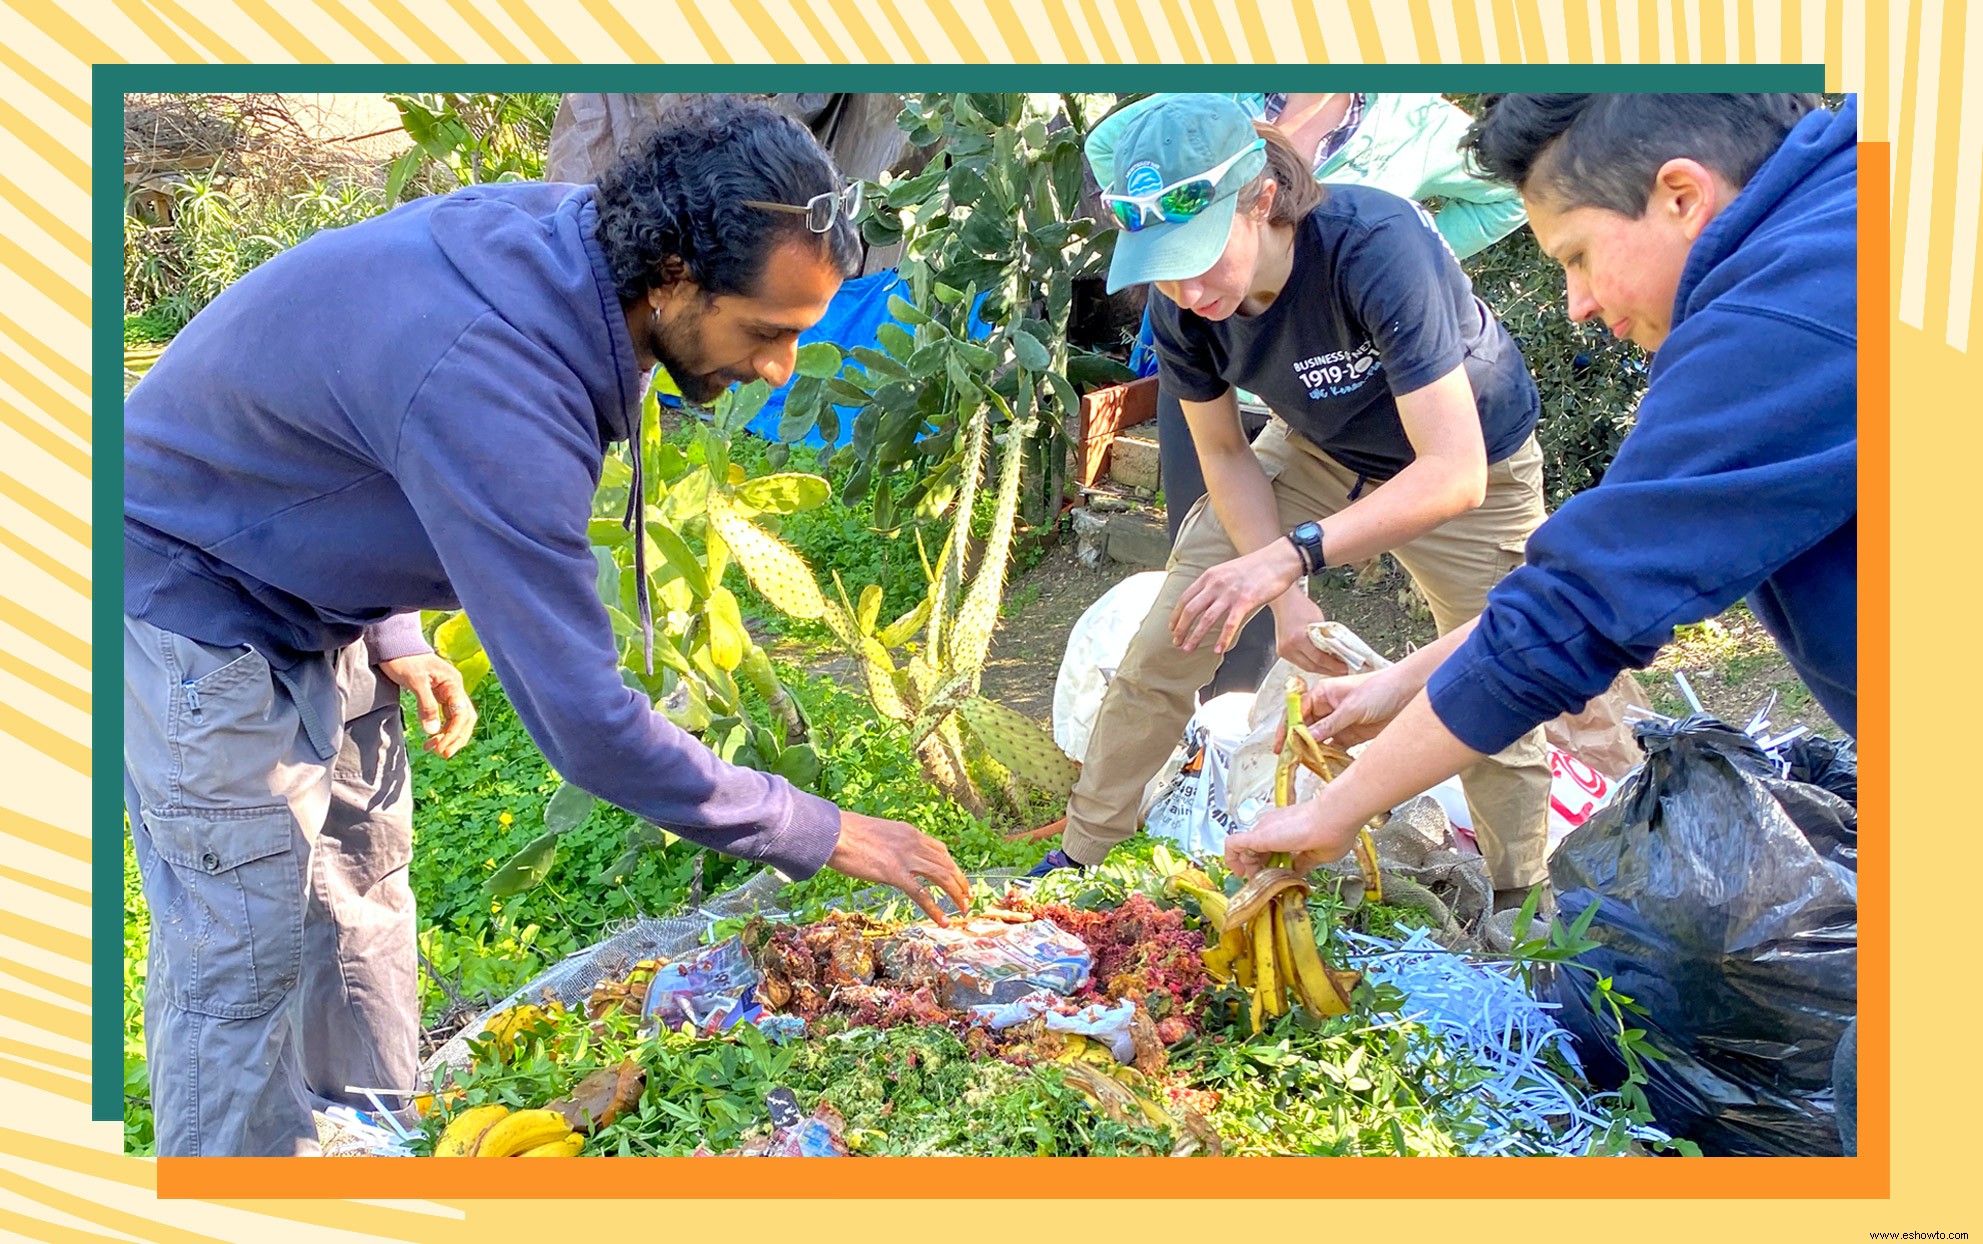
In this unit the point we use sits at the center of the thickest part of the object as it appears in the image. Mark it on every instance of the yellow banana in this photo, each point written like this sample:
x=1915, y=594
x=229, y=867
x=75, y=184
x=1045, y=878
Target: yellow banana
x=459, y=1138
x=520, y=1130
x=1268, y=982
x=567, y=1148
x=1283, y=953
x=1313, y=984
x=1218, y=963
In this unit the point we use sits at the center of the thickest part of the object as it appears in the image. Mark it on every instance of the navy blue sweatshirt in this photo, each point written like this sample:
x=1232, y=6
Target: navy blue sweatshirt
x=411, y=413
x=1739, y=479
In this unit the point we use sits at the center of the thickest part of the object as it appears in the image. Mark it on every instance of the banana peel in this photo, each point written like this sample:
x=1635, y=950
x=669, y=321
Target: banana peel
x=522, y=1130
x=465, y=1131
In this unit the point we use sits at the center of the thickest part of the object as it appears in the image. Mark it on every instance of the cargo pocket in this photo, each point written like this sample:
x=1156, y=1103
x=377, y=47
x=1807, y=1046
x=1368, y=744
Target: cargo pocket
x=230, y=943
x=228, y=728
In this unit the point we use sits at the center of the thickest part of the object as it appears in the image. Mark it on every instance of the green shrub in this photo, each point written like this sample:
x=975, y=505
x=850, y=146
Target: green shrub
x=221, y=230
x=1590, y=381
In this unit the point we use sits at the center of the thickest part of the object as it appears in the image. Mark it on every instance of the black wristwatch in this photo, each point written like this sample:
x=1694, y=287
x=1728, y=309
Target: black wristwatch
x=1307, y=541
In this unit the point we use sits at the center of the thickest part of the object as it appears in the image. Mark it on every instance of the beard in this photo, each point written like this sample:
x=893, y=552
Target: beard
x=677, y=345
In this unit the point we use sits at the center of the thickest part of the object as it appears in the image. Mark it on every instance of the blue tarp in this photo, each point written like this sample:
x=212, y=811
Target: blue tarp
x=853, y=318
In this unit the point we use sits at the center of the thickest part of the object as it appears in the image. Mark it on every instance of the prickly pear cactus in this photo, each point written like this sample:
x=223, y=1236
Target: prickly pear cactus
x=1020, y=745
x=780, y=575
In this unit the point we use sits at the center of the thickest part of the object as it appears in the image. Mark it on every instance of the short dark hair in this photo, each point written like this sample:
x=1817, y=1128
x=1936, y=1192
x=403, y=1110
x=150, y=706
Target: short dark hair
x=1299, y=193
x=680, y=195
x=1605, y=150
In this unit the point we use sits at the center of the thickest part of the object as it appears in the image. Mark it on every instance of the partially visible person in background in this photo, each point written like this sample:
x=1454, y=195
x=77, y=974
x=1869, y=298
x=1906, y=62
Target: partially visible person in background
x=1406, y=144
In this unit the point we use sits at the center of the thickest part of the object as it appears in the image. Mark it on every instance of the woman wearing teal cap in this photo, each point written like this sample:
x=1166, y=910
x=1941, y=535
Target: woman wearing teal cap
x=1404, y=421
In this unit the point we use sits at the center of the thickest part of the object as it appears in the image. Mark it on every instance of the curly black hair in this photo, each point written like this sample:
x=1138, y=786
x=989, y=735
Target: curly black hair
x=680, y=196
x=1605, y=150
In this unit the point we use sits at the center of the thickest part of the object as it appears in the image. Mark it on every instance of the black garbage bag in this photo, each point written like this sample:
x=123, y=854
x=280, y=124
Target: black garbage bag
x=1728, y=908
x=1830, y=763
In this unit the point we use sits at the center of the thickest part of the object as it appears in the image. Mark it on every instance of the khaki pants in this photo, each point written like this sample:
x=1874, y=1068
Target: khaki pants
x=1145, y=709
x=272, y=819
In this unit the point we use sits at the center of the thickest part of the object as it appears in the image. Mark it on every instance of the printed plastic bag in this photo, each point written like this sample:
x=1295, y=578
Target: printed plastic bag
x=1109, y=1024
x=1187, y=802
x=984, y=962
x=1728, y=908
x=717, y=984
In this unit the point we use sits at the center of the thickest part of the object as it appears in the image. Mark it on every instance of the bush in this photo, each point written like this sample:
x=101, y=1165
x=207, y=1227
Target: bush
x=1590, y=381
x=220, y=231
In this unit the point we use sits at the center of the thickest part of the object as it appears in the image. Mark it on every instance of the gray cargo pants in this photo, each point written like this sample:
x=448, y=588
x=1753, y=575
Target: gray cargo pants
x=271, y=815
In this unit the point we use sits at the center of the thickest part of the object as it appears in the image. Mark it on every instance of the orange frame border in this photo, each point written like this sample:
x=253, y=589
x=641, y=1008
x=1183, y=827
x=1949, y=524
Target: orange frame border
x=1868, y=1175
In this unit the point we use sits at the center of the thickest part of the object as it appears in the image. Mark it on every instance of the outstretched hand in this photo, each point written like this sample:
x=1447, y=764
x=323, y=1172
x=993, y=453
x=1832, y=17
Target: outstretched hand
x=903, y=856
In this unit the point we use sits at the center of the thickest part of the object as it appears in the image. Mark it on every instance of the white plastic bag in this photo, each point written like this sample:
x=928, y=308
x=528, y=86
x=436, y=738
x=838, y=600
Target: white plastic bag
x=1095, y=648
x=1188, y=803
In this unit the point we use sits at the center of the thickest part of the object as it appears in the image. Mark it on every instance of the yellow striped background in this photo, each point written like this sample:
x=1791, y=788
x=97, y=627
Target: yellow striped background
x=62, y=1177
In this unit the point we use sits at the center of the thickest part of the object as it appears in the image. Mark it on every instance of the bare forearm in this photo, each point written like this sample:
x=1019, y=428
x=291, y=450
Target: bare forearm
x=1414, y=753
x=1405, y=507
x=1243, y=498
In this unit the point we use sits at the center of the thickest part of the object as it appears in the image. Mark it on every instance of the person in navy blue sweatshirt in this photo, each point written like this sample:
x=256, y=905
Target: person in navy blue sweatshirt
x=413, y=413
x=1722, y=232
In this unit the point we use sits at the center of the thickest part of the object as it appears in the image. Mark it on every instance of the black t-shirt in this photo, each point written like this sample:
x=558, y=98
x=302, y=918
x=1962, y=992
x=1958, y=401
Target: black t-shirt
x=1376, y=305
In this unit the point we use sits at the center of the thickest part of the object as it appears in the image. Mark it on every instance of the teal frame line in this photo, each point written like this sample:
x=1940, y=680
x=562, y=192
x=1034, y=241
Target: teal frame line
x=110, y=83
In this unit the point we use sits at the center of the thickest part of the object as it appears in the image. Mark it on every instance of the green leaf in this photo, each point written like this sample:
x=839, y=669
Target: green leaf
x=727, y=637
x=928, y=360
x=1070, y=401
x=904, y=310
x=914, y=189
x=798, y=764
x=977, y=356
x=455, y=639
x=567, y=808
x=525, y=869
x=987, y=233
x=679, y=557
x=878, y=365
x=1526, y=915
x=896, y=340
x=883, y=228
x=743, y=404
x=946, y=294
x=788, y=492
x=801, y=409
x=1089, y=371
x=819, y=359
x=845, y=393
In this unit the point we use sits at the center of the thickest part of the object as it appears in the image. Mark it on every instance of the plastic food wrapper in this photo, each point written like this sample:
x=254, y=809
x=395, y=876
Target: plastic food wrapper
x=1728, y=907
x=986, y=962
x=1107, y=1024
x=712, y=988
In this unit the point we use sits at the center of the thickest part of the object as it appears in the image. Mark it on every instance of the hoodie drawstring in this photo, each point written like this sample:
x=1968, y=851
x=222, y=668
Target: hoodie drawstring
x=636, y=511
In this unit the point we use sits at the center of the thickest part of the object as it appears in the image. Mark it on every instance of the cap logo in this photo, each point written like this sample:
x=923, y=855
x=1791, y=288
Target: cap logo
x=1142, y=178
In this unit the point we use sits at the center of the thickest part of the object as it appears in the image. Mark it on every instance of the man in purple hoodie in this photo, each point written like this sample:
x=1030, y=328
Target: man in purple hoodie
x=412, y=413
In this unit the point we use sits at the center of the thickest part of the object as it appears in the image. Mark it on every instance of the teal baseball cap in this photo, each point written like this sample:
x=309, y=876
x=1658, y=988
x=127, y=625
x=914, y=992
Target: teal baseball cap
x=1156, y=143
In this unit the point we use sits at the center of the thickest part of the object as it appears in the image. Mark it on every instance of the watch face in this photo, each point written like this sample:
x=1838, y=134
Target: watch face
x=1308, y=531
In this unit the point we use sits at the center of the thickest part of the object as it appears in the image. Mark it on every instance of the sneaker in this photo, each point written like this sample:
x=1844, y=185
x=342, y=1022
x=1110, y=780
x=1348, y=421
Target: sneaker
x=1052, y=861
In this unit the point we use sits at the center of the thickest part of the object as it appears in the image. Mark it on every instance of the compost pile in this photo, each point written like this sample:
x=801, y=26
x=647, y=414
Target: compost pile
x=1076, y=1017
